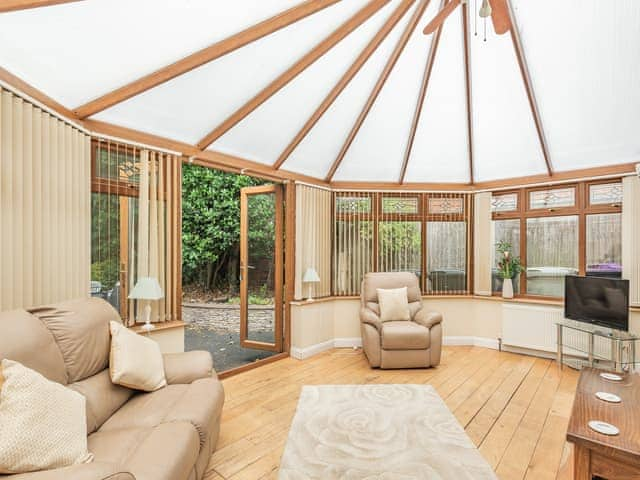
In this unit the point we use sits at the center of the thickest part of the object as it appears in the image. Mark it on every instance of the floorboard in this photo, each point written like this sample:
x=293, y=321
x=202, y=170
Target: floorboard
x=515, y=408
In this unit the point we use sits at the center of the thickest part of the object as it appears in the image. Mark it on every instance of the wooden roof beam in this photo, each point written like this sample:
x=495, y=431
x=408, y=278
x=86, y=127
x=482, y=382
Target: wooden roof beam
x=14, y=5
x=467, y=83
x=365, y=54
x=526, y=78
x=201, y=57
x=292, y=72
x=388, y=68
x=433, y=48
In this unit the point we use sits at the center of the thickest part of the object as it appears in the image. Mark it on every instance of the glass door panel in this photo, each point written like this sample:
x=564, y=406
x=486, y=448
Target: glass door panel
x=261, y=267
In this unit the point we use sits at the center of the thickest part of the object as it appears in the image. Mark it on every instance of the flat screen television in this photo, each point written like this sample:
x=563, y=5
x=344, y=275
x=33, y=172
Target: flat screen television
x=597, y=300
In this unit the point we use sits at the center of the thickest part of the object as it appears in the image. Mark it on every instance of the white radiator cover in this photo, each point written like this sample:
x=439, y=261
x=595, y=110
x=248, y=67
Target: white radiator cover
x=530, y=326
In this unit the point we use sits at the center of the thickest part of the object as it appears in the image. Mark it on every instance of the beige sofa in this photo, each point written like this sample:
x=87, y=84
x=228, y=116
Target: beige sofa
x=399, y=344
x=168, y=434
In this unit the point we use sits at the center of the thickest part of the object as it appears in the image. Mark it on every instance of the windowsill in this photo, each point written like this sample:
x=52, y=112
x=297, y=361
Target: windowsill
x=159, y=326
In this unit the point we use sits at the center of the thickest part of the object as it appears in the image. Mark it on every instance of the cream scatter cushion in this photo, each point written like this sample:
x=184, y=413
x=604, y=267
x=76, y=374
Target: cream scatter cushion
x=42, y=423
x=135, y=361
x=394, y=304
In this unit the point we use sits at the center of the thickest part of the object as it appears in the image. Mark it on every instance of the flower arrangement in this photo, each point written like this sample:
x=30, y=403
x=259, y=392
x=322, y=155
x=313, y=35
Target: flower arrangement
x=508, y=265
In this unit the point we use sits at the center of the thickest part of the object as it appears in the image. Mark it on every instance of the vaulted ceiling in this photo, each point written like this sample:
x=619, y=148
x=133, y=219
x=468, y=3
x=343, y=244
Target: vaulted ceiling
x=349, y=90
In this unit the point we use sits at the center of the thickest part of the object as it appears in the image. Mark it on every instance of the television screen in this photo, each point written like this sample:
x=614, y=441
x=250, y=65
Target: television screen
x=598, y=300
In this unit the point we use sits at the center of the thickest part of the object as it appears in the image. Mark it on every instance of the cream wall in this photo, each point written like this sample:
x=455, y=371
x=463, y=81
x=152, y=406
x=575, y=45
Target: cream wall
x=324, y=324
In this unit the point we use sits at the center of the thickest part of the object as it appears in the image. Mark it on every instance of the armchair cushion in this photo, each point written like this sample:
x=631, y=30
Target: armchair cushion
x=427, y=318
x=404, y=335
x=187, y=367
x=370, y=317
x=393, y=304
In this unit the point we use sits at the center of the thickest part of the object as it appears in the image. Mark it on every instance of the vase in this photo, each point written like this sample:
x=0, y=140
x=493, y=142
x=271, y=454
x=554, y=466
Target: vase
x=507, y=288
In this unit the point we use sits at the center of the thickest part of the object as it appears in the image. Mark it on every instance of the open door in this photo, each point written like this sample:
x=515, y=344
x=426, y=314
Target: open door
x=261, y=267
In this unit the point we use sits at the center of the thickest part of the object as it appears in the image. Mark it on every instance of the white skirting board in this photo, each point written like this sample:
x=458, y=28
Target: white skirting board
x=356, y=342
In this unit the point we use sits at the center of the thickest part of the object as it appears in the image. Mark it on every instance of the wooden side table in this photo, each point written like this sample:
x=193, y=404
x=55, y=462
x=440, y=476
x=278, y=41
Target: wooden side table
x=610, y=457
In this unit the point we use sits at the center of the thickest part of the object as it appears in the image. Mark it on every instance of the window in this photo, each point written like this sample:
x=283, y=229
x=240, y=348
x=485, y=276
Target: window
x=563, y=230
x=392, y=232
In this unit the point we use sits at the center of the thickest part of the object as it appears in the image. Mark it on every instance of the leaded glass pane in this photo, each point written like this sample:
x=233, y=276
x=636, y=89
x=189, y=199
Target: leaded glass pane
x=507, y=202
x=555, y=197
x=605, y=193
x=406, y=205
x=118, y=165
x=445, y=206
x=353, y=204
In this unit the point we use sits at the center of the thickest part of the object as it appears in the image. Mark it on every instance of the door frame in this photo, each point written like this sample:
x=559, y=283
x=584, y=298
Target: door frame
x=278, y=276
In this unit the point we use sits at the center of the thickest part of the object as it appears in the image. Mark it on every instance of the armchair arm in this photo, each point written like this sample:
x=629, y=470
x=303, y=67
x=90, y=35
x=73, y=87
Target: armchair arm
x=187, y=367
x=85, y=471
x=369, y=316
x=426, y=318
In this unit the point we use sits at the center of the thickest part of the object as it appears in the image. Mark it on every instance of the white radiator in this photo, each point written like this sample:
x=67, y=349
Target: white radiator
x=530, y=326
x=534, y=327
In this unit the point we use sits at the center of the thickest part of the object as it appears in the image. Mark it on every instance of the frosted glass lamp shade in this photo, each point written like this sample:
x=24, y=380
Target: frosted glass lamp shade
x=147, y=288
x=311, y=276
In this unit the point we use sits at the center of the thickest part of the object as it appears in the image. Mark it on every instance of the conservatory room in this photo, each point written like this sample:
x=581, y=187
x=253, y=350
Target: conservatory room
x=319, y=239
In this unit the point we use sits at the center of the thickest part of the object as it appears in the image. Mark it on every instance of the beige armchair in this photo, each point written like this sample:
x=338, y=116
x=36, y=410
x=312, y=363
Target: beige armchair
x=399, y=344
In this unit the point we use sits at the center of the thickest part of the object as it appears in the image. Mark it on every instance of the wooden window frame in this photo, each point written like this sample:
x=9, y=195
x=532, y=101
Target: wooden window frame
x=582, y=209
x=376, y=215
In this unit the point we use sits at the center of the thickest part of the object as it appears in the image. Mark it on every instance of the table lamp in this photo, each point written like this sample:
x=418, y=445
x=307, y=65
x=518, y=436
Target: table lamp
x=147, y=288
x=310, y=276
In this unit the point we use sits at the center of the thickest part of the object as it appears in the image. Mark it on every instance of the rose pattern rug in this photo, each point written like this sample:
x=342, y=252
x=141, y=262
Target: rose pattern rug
x=378, y=432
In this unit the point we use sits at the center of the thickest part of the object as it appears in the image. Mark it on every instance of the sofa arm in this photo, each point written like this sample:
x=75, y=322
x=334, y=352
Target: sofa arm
x=85, y=471
x=369, y=316
x=187, y=367
x=427, y=318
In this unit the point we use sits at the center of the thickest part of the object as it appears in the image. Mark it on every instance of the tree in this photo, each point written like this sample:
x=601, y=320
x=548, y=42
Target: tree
x=211, y=224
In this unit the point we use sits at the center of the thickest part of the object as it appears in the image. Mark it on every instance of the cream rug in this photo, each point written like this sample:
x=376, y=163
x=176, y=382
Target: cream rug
x=378, y=432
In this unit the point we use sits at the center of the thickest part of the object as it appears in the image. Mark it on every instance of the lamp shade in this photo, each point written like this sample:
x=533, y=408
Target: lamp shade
x=147, y=288
x=311, y=276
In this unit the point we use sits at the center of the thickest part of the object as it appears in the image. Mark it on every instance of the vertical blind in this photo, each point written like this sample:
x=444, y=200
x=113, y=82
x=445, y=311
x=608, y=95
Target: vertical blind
x=44, y=206
x=313, y=239
x=482, y=243
x=423, y=233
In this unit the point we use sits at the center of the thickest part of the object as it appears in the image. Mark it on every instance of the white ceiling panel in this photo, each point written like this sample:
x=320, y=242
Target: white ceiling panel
x=378, y=149
x=264, y=134
x=584, y=59
x=77, y=51
x=190, y=106
x=319, y=149
x=440, y=151
x=505, y=141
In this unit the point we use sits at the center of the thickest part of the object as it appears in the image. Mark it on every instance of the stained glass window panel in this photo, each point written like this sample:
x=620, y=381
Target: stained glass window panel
x=605, y=193
x=507, y=202
x=404, y=205
x=552, y=198
x=446, y=206
x=353, y=204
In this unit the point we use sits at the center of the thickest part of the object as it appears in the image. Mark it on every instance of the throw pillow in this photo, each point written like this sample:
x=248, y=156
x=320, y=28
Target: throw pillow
x=135, y=361
x=42, y=423
x=393, y=304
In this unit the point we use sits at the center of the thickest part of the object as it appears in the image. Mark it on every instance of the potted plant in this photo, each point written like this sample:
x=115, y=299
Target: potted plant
x=508, y=267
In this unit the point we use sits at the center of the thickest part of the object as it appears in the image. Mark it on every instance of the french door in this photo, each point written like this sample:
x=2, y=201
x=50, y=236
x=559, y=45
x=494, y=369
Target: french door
x=261, y=267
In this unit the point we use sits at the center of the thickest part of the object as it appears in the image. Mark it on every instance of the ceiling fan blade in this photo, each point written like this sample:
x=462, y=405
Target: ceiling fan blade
x=441, y=17
x=500, y=16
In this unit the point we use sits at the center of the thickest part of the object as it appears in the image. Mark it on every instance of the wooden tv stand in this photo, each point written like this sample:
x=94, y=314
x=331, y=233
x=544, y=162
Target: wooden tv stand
x=609, y=457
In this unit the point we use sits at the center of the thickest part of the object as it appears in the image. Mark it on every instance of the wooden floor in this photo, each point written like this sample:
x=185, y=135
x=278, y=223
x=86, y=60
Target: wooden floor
x=515, y=408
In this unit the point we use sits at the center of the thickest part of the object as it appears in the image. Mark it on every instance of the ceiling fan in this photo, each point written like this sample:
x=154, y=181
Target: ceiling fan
x=496, y=9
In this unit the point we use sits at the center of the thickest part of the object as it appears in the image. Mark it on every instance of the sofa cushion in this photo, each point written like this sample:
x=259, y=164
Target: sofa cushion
x=404, y=336
x=393, y=304
x=185, y=367
x=42, y=422
x=197, y=403
x=135, y=360
x=103, y=398
x=81, y=330
x=21, y=336
x=166, y=452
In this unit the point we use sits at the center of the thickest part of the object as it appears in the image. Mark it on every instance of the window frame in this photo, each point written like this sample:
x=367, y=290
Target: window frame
x=377, y=215
x=582, y=209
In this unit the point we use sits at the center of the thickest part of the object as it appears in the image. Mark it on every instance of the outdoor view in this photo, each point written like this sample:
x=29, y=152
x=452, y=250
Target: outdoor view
x=211, y=265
